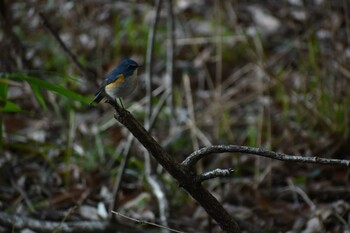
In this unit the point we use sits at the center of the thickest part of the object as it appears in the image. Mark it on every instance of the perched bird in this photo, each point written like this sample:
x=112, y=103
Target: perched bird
x=120, y=82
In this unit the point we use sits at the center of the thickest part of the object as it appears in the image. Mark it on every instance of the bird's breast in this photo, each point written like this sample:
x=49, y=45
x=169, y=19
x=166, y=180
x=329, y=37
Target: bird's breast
x=122, y=87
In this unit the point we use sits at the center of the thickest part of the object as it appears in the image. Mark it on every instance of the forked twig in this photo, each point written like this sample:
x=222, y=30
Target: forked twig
x=186, y=180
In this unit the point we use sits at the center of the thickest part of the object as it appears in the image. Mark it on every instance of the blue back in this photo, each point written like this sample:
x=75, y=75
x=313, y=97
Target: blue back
x=126, y=67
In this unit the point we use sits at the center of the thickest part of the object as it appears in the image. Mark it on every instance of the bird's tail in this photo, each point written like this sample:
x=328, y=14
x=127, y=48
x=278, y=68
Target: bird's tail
x=97, y=99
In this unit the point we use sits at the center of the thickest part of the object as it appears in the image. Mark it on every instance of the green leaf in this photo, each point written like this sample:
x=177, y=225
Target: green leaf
x=50, y=86
x=300, y=180
x=38, y=95
x=3, y=89
x=252, y=135
x=10, y=107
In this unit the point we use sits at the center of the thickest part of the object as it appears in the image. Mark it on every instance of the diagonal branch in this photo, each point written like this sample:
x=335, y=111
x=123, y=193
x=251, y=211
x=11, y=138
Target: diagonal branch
x=186, y=180
x=73, y=58
x=193, y=158
x=129, y=142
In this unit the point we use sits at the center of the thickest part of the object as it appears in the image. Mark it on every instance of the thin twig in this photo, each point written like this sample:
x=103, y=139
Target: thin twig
x=229, y=40
x=73, y=58
x=190, y=110
x=120, y=175
x=163, y=204
x=215, y=174
x=149, y=62
x=23, y=195
x=193, y=158
x=146, y=222
x=170, y=58
x=70, y=211
x=303, y=195
x=218, y=42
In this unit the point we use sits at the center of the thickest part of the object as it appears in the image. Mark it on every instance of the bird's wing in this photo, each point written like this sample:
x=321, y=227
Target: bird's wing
x=109, y=82
x=98, y=98
x=115, y=82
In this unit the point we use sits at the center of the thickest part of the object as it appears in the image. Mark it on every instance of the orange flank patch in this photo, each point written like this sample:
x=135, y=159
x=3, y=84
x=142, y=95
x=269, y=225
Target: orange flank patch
x=116, y=82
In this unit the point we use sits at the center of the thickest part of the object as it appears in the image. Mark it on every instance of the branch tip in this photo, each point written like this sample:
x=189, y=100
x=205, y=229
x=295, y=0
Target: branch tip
x=214, y=174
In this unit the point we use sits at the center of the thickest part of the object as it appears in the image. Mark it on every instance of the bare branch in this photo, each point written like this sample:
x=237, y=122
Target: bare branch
x=21, y=222
x=129, y=142
x=214, y=174
x=193, y=158
x=185, y=179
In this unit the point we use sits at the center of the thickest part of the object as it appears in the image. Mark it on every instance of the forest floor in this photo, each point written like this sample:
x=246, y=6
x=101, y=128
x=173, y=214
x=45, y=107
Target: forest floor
x=267, y=74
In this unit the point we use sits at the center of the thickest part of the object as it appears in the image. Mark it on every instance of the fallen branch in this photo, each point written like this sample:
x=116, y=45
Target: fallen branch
x=21, y=222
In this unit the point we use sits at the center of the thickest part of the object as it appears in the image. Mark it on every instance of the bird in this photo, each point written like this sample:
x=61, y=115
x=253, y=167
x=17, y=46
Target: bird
x=119, y=83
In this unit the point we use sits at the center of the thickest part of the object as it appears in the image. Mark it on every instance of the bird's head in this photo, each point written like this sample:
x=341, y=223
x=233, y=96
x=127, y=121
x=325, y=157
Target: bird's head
x=128, y=66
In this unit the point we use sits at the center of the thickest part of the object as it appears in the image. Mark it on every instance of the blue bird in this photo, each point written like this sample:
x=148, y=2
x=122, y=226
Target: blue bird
x=120, y=82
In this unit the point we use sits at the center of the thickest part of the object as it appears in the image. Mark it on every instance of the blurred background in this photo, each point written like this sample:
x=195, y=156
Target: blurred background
x=269, y=74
